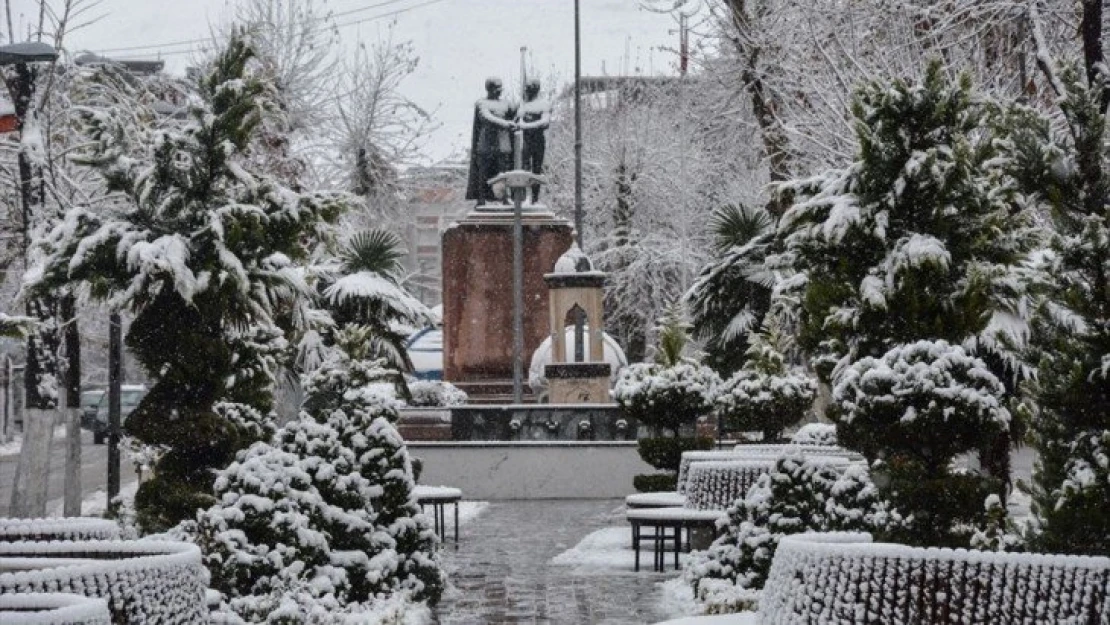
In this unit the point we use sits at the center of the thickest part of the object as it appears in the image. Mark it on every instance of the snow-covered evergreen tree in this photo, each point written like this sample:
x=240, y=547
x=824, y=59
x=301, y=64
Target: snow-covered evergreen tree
x=922, y=238
x=204, y=253
x=322, y=519
x=1062, y=163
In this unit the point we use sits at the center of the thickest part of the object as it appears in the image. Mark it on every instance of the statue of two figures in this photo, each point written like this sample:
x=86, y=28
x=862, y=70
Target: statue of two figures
x=492, y=145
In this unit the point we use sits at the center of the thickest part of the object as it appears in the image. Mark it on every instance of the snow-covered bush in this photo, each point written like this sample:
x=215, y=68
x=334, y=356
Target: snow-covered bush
x=821, y=434
x=765, y=395
x=53, y=608
x=768, y=403
x=795, y=495
x=666, y=397
x=71, y=528
x=143, y=581
x=323, y=520
x=999, y=533
x=928, y=400
x=842, y=578
x=436, y=394
x=917, y=407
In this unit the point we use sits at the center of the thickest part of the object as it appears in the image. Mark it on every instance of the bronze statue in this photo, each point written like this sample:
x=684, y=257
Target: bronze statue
x=533, y=118
x=491, y=146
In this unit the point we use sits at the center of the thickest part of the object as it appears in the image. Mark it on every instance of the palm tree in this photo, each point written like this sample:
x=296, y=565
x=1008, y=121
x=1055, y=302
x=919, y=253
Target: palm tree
x=366, y=291
x=733, y=292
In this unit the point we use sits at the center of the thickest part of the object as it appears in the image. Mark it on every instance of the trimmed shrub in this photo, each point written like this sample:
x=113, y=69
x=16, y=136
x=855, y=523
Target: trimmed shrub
x=666, y=398
x=144, y=581
x=654, y=482
x=841, y=578
x=435, y=394
x=53, y=608
x=71, y=528
x=666, y=453
x=822, y=434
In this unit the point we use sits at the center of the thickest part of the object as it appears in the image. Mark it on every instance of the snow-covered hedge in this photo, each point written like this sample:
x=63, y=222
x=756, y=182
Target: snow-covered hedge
x=823, y=434
x=844, y=578
x=70, y=528
x=144, y=581
x=53, y=609
x=753, y=452
x=435, y=394
x=716, y=484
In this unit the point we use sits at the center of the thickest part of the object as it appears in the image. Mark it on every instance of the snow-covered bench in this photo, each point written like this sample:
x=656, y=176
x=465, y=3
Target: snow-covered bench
x=439, y=497
x=68, y=528
x=845, y=578
x=53, y=609
x=144, y=581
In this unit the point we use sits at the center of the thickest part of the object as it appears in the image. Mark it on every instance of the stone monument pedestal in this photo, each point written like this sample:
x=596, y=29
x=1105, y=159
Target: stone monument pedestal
x=478, y=296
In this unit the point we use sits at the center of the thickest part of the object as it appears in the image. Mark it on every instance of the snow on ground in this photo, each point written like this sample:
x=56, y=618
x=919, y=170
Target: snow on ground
x=12, y=447
x=95, y=503
x=609, y=550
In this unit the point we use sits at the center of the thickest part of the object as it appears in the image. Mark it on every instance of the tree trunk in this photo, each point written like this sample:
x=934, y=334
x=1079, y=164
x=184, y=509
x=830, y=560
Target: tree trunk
x=70, y=405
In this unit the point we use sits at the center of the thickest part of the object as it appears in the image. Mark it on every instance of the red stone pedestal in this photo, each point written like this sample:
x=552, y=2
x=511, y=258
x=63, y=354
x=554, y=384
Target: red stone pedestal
x=478, y=296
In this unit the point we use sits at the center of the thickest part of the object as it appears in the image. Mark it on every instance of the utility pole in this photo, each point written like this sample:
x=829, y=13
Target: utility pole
x=577, y=127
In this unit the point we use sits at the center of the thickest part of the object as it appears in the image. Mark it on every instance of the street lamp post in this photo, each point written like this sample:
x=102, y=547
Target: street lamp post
x=577, y=128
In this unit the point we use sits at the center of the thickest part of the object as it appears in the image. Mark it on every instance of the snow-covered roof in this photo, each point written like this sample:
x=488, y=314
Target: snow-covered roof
x=573, y=261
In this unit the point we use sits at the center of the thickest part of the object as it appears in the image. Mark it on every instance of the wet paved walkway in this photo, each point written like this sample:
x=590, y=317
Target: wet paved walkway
x=502, y=572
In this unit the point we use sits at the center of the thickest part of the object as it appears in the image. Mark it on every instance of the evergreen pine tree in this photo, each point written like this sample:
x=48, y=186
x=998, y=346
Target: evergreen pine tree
x=920, y=239
x=203, y=252
x=323, y=516
x=1064, y=171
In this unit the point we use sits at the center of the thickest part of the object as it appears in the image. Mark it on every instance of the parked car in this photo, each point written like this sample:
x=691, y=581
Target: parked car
x=90, y=399
x=130, y=396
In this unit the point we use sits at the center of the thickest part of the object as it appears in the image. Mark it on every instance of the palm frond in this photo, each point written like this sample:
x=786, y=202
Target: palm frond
x=376, y=250
x=736, y=225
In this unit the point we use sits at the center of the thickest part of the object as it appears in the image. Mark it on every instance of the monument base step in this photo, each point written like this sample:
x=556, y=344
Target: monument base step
x=494, y=392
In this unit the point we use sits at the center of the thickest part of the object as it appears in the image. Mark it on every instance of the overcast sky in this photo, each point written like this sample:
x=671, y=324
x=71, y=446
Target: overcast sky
x=460, y=42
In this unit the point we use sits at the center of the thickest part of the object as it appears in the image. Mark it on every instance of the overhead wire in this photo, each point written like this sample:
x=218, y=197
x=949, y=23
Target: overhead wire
x=157, y=50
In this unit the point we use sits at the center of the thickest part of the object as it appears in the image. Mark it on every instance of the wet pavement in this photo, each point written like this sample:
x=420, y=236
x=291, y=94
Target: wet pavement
x=502, y=573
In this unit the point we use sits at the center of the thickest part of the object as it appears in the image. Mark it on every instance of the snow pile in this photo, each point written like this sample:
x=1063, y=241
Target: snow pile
x=144, y=581
x=435, y=394
x=72, y=528
x=53, y=609
x=823, y=434
x=323, y=520
x=844, y=578
x=796, y=495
